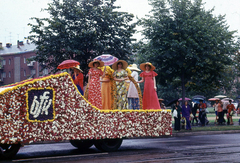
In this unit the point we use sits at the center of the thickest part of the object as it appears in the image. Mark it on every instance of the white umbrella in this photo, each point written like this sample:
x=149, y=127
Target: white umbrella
x=227, y=99
x=220, y=96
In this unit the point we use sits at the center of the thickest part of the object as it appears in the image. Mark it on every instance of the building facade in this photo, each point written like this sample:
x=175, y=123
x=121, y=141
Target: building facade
x=15, y=65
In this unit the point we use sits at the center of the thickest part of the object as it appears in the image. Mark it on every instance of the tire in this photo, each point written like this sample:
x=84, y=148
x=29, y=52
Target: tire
x=82, y=144
x=8, y=151
x=108, y=145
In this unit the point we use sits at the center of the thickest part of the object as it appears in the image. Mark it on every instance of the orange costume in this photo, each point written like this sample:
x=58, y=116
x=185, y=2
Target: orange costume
x=94, y=93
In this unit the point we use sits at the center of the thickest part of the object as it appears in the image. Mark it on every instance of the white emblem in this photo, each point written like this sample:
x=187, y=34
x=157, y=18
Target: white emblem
x=41, y=106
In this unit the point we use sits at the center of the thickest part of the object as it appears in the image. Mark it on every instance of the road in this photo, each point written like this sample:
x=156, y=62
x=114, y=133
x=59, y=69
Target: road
x=204, y=148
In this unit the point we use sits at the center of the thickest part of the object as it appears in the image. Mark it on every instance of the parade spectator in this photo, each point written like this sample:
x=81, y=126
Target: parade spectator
x=178, y=118
x=194, y=112
x=186, y=111
x=161, y=103
x=225, y=104
x=220, y=113
x=202, y=113
x=230, y=109
x=215, y=106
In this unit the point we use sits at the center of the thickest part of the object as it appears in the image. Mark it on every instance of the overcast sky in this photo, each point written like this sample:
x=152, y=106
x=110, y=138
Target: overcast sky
x=15, y=14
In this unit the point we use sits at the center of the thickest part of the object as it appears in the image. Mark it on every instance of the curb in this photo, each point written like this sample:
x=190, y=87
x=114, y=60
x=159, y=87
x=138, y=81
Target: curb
x=197, y=133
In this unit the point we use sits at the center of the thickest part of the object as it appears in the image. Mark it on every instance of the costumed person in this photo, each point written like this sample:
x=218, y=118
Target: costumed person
x=230, y=109
x=186, y=111
x=77, y=77
x=178, y=118
x=161, y=103
x=150, y=98
x=133, y=98
x=106, y=88
x=94, y=88
x=120, y=75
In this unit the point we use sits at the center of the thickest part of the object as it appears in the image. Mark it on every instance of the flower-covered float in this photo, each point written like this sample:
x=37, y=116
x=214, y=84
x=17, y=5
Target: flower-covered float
x=51, y=109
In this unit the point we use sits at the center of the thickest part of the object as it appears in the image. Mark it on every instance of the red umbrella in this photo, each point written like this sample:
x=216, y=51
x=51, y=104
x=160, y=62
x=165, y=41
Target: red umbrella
x=68, y=64
x=213, y=99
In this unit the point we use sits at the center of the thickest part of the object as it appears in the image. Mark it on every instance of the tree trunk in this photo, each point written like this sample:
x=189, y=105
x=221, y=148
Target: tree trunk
x=183, y=88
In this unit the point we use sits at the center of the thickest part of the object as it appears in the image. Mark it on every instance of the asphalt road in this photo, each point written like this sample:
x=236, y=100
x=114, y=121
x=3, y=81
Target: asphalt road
x=204, y=148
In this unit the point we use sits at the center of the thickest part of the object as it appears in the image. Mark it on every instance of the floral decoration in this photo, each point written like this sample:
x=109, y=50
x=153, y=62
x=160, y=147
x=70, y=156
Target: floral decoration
x=75, y=117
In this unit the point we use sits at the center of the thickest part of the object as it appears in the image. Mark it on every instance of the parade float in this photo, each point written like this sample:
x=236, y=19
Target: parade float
x=51, y=109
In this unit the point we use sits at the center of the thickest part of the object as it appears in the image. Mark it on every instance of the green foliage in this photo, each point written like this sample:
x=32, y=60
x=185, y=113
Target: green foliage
x=82, y=30
x=188, y=44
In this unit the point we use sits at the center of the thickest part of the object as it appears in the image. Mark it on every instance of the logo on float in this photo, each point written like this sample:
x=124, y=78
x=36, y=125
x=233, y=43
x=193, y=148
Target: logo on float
x=40, y=104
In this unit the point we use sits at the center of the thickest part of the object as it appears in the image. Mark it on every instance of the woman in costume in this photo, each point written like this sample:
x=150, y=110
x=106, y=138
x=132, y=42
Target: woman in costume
x=133, y=98
x=120, y=75
x=150, y=98
x=94, y=88
x=77, y=77
x=106, y=89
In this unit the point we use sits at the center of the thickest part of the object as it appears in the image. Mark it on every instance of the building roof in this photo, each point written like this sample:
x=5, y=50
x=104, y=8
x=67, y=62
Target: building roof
x=15, y=50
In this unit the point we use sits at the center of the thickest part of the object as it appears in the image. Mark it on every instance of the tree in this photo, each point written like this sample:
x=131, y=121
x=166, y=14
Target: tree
x=187, y=43
x=81, y=30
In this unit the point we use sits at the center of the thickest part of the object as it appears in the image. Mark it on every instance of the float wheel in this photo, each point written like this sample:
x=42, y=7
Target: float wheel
x=108, y=145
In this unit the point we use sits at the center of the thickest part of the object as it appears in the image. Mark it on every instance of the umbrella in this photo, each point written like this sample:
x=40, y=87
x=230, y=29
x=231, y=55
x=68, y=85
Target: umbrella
x=238, y=96
x=107, y=59
x=227, y=99
x=220, y=96
x=213, y=99
x=68, y=64
x=172, y=102
x=186, y=99
x=198, y=96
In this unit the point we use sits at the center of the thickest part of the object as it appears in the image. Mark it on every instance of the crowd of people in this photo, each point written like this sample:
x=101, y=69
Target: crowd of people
x=188, y=114
x=100, y=78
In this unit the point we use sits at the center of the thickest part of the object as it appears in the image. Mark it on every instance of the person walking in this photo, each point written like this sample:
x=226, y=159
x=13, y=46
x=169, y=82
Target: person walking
x=230, y=109
x=178, y=118
x=133, y=98
x=186, y=111
x=150, y=98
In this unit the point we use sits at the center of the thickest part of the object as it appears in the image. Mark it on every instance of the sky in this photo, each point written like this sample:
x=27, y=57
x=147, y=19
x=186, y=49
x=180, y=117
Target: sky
x=16, y=14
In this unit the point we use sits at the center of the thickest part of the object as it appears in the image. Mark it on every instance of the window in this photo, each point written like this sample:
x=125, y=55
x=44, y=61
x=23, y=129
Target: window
x=4, y=74
x=33, y=72
x=9, y=61
x=9, y=74
x=24, y=60
x=24, y=73
x=45, y=71
x=4, y=62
